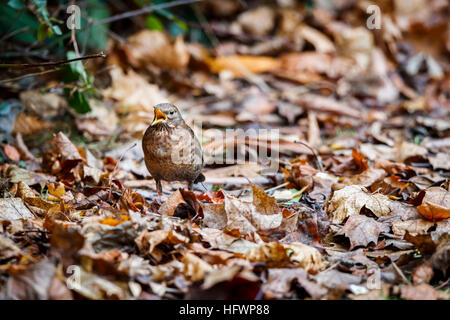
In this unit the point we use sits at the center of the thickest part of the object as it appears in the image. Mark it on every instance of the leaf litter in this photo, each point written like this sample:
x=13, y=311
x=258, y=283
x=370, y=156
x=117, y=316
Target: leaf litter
x=370, y=191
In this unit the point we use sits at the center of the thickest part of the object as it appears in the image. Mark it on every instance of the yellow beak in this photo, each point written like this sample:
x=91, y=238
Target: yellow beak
x=159, y=116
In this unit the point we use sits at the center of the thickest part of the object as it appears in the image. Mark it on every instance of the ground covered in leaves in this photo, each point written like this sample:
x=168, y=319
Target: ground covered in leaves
x=358, y=209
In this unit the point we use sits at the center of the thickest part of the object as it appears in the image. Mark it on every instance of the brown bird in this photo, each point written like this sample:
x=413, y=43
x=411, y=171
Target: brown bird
x=172, y=152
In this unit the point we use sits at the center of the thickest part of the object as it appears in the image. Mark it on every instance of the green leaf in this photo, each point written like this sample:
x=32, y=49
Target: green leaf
x=78, y=101
x=153, y=23
x=16, y=4
x=95, y=37
x=177, y=28
x=77, y=68
x=41, y=6
x=56, y=30
x=41, y=32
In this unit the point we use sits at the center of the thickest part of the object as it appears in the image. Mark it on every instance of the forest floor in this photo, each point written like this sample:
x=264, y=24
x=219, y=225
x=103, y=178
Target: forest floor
x=356, y=121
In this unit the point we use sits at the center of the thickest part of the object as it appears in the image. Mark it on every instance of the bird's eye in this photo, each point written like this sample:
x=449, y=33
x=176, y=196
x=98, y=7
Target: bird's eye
x=172, y=112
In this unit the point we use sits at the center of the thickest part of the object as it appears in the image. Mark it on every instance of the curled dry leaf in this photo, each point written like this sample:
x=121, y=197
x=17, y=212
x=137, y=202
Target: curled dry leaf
x=30, y=197
x=279, y=283
x=195, y=268
x=319, y=40
x=261, y=214
x=351, y=199
x=327, y=104
x=362, y=230
x=157, y=48
x=435, y=204
x=312, y=63
x=14, y=209
x=259, y=21
x=406, y=150
x=277, y=254
x=242, y=66
x=148, y=240
x=420, y=292
x=413, y=227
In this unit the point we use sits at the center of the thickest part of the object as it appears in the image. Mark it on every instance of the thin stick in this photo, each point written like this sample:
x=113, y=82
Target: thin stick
x=318, y=161
x=298, y=193
x=148, y=9
x=400, y=273
x=101, y=54
x=73, y=37
x=277, y=187
x=28, y=75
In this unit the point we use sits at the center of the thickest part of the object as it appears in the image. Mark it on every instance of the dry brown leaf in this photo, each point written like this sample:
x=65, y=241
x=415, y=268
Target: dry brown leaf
x=195, y=268
x=419, y=292
x=326, y=104
x=406, y=150
x=351, y=199
x=14, y=209
x=435, y=204
x=413, y=227
x=30, y=197
x=313, y=63
x=148, y=240
x=136, y=97
x=157, y=48
x=276, y=254
x=319, y=40
x=365, y=178
x=260, y=214
x=242, y=66
x=29, y=124
x=258, y=21
x=441, y=161
x=279, y=283
x=362, y=230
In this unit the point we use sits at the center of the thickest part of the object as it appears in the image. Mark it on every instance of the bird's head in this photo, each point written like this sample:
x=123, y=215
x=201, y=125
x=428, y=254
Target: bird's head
x=168, y=113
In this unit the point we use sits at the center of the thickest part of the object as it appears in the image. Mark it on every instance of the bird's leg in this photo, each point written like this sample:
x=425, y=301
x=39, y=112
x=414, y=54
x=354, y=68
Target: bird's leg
x=190, y=185
x=159, y=189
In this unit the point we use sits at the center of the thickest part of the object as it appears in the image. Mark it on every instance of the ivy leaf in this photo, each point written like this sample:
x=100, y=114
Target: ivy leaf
x=177, y=27
x=153, y=23
x=56, y=30
x=76, y=69
x=16, y=4
x=78, y=100
x=41, y=32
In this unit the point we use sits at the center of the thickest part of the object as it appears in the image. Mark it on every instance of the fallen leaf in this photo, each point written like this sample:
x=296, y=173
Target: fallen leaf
x=413, y=227
x=157, y=48
x=419, y=292
x=241, y=65
x=276, y=254
x=362, y=230
x=435, y=204
x=194, y=267
x=279, y=282
x=351, y=199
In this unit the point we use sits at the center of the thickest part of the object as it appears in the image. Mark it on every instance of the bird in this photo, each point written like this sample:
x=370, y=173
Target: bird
x=172, y=152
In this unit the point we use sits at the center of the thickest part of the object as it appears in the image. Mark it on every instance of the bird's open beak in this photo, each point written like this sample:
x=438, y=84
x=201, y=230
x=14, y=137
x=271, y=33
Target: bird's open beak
x=159, y=116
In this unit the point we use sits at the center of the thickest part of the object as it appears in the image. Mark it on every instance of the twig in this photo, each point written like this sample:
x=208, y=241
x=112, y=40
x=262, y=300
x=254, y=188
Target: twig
x=276, y=187
x=28, y=75
x=23, y=148
x=101, y=54
x=73, y=37
x=148, y=9
x=298, y=193
x=316, y=157
x=115, y=169
x=400, y=273
x=9, y=35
